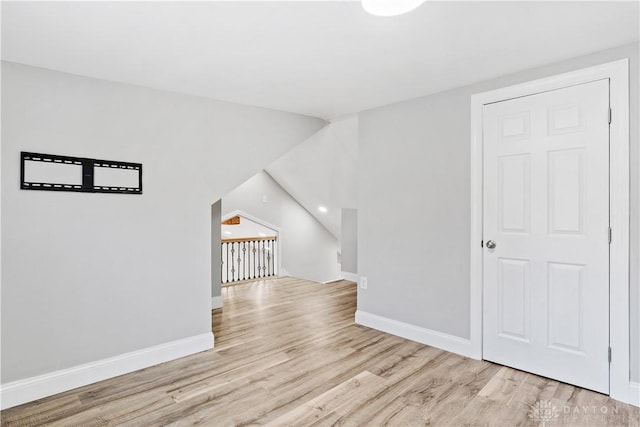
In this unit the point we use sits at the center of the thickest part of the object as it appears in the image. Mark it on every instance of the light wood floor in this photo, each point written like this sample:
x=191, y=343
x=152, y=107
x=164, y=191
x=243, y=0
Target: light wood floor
x=288, y=354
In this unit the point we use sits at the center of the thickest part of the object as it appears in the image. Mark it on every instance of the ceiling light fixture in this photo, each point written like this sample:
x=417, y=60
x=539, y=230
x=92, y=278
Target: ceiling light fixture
x=322, y=209
x=390, y=7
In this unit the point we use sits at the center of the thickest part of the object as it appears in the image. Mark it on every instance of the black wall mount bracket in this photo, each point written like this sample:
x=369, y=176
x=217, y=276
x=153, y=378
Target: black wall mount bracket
x=95, y=176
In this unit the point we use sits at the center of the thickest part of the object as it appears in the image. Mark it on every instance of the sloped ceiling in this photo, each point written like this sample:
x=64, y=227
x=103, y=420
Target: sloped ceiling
x=322, y=171
x=321, y=58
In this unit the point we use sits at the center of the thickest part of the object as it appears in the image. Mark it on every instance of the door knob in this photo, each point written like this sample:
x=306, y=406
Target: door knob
x=491, y=244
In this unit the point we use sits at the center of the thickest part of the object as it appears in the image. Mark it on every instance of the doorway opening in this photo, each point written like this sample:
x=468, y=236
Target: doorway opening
x=250, y=249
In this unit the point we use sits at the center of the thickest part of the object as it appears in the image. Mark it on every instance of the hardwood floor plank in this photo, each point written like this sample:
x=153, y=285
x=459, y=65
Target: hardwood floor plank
x=188, y=392
x=43, y=411
x=289, y=354
x=317, y=408
x=116, y=412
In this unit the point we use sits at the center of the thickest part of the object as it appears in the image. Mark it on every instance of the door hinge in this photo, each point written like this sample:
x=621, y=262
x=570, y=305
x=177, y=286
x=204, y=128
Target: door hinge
x=482, y=243
x=609, y=354
x=610, y=235
x=609, y=115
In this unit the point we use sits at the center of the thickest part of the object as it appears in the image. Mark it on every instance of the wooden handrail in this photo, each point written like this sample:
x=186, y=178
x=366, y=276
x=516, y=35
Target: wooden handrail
x=250, y=239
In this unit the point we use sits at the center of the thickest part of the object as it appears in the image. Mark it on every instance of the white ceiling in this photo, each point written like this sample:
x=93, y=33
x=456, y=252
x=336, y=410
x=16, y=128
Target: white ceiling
x=246, y=228
x=324, y=59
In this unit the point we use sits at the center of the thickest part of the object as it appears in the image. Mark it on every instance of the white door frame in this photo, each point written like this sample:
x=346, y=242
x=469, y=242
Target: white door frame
x=618, y=74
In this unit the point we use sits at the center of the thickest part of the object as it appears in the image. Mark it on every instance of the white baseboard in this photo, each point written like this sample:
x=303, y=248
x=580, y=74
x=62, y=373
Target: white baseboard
x=216, y=302
x=634, y=394
x=350, y=276
x=415, y=333
x=453, y=344
x=29, y=389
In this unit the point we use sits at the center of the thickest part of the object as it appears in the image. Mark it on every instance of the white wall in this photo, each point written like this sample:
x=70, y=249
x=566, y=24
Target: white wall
x=414, y=165
x=246, y=228
x=349, y=241
x=308, y=250
x=216, y=254
x=90, y=276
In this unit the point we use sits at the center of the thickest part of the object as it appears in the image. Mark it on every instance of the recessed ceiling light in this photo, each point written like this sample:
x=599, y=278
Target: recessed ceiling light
x=390, y=7
x=262, y=235
x=227, y=233
x=323, y=209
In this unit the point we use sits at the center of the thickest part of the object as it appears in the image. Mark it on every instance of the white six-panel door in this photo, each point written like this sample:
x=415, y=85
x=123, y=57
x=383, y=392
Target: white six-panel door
x=546, y=207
